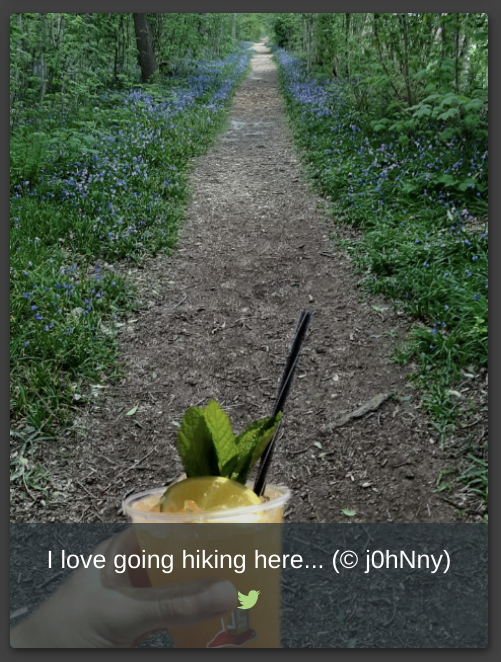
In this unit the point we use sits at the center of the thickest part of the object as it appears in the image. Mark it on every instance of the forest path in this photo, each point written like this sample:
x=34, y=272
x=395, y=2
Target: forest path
x=220, y=312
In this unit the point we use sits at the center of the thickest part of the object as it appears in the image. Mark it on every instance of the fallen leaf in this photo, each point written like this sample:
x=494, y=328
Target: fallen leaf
x=132, y=411
x=317, y=444
x=348, y=512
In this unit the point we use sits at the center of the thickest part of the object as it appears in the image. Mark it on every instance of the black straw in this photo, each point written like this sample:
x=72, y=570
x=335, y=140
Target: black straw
x=282, y=395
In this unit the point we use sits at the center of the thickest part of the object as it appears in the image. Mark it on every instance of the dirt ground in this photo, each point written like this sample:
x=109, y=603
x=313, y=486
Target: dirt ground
x=217, y=322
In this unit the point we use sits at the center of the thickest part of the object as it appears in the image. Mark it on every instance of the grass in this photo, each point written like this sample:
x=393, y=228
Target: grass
x=420, y=198
x=106, y=185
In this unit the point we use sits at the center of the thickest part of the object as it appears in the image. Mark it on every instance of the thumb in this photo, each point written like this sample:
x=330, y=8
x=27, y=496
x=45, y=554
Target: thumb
x=146, y=609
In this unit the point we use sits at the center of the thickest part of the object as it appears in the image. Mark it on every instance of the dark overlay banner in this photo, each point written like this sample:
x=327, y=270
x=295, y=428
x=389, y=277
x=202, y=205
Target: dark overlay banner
x=249, y=585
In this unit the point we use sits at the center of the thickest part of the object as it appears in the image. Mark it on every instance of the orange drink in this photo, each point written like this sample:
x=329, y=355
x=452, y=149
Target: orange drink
x=226, y=551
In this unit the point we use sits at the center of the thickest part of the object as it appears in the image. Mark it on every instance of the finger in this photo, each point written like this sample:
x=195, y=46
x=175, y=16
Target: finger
x=125, y=543
x=179, y=604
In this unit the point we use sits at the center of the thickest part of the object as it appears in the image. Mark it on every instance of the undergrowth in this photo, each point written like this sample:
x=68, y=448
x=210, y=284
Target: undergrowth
x=416, y=184
x=106, y=184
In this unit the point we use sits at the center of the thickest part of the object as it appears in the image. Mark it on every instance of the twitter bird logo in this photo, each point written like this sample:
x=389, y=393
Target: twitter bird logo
x=248, y=601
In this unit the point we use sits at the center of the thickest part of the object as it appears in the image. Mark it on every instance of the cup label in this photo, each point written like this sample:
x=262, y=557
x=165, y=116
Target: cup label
x=236, y=630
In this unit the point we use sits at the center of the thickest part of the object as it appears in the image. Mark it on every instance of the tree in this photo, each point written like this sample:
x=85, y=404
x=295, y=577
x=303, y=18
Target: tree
x=147, y=59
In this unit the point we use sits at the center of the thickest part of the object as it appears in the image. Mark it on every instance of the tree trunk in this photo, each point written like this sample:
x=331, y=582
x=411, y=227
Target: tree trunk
x=309, y=40
x=147, y=59
x=234, y=27
x=457, y=67
x=43, y=67
x=381, y=56
x=403, y=21
x=202, y=30
x=347, y=44
x=444, y=39
x=43, y=78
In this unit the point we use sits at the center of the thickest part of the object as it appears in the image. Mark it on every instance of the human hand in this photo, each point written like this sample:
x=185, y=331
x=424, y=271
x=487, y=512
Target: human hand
x=103, y=609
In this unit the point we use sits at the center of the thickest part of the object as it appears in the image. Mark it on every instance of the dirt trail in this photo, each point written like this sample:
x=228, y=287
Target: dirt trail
x=219, y=317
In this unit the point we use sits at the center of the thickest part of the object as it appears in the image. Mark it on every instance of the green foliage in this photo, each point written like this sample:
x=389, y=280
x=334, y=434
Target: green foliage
x=108, y=183
x=252, y=27
x=395, y=59
x=396, y=137
x=196, y=446
x=59, y=61
x=208, y=447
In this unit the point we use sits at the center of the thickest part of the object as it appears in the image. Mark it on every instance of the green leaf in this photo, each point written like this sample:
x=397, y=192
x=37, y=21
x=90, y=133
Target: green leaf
x=447, y=134
x=472, y=120
x=475, y=104
x=195, y=446
x=251, y=444
x=246, y=443
x=448, y=180
x=265, y=436
x=247, y=433
x=223, y=438
x=244, y=461
x=132, y=411
x=452, y=112
x=348, y=512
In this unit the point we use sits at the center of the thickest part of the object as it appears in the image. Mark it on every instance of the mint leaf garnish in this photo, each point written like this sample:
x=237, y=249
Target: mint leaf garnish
x=265, y=436
x=195, y=445
x=223, y=438
x=251, y=444
x=208, y=447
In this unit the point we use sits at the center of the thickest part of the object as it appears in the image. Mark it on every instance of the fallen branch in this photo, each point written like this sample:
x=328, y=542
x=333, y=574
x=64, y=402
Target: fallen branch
x=371, y=405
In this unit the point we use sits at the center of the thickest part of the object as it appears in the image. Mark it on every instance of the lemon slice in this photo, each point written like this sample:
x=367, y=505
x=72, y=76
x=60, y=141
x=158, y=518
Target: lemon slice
x=205, y=493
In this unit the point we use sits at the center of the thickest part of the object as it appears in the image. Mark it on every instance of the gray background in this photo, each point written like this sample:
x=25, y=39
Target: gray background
x=387, y=608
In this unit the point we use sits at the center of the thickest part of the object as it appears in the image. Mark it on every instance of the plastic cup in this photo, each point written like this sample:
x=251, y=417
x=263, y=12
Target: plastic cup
x=239, y=532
